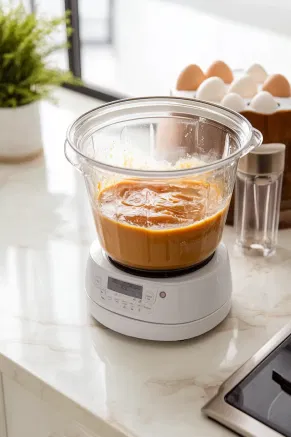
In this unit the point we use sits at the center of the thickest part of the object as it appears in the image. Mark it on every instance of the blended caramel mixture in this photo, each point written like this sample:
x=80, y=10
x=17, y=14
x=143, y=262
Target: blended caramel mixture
x=154, y=226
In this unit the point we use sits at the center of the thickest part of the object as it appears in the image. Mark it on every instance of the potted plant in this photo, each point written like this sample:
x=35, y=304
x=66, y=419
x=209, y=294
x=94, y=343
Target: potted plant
x=25, y=78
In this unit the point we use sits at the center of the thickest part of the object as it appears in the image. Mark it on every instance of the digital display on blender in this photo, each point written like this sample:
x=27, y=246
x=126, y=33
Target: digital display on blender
x=126, y=288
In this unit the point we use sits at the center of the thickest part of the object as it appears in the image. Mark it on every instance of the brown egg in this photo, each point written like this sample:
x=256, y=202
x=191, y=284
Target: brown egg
x=190, y=78
x=277, y=85
x=220, y=69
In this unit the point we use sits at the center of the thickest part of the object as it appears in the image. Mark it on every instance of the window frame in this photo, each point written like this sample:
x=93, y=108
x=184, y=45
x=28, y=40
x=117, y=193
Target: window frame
x=74, y=54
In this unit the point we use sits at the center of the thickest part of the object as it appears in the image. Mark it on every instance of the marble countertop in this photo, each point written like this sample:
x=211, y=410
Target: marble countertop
x=49, y=344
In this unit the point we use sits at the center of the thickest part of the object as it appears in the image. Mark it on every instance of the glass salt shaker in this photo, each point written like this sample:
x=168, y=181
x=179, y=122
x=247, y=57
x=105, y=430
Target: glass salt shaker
x=257, y=198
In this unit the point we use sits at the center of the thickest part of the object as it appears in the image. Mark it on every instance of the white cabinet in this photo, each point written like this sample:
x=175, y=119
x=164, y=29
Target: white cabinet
x=27, y=416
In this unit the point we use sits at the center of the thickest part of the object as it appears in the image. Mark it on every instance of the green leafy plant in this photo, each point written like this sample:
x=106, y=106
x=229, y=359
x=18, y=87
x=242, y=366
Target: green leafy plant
x=26, y=42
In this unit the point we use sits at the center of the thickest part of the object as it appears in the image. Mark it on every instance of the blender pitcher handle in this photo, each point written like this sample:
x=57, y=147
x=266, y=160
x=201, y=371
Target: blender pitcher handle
x=256, y=140
x=72, y=156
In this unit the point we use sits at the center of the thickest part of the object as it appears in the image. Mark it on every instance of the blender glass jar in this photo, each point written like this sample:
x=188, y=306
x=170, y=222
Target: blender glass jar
x=159, y=172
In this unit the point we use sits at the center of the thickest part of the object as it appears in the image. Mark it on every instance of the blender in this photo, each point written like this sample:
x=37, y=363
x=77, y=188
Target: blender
x=159, y=173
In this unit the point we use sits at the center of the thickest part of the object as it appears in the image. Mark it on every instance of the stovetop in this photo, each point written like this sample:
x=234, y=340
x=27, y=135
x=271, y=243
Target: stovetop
x=256, y=400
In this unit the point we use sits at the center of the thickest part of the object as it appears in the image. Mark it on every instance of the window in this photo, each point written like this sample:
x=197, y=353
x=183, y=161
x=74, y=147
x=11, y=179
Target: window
x=138, y=47
x=51, y=9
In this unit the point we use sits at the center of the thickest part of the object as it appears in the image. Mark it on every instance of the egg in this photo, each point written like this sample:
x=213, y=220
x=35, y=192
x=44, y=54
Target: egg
x=245, y=86
x=190, y=78
x=258, y=73
x=277, y=85
x=234, y=101
x=212, y=89
x=220, y=69
x=264, y=103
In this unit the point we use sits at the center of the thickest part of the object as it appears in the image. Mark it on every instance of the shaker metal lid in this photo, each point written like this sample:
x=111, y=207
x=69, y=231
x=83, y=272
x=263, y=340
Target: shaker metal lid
x=267, y=158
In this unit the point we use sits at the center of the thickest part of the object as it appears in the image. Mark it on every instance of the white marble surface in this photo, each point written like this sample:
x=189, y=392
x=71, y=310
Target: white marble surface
x=50, y=345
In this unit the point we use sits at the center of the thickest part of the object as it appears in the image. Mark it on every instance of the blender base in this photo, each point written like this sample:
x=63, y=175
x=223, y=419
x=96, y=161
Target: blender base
x=157, y=331
x=163, y=309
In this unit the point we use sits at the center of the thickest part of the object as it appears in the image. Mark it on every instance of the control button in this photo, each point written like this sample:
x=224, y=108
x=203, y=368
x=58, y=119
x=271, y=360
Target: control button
x=109, y=298
x=127, y=301
x=149, y=297
x=98, y=281
x=163, y=294
x=103, y=292
x=116, y=300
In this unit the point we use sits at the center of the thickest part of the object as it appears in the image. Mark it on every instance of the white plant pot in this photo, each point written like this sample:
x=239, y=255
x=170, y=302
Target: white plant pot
x=20, y=133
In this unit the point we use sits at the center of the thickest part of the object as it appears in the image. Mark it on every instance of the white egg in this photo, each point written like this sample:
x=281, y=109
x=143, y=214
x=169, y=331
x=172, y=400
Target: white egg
x=233, y=101
x=212, y=89
x=264, y=103
x=245, y=86
x=258, y=73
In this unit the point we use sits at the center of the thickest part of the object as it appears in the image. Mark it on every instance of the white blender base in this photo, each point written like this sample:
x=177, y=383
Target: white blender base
x=164, y=309
x=156, y=331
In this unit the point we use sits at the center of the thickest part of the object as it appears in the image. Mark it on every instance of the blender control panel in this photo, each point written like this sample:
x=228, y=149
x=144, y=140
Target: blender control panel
x=126, y=296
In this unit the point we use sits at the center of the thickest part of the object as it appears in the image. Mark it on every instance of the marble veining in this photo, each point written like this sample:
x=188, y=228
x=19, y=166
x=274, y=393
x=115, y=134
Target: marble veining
x=114, y=385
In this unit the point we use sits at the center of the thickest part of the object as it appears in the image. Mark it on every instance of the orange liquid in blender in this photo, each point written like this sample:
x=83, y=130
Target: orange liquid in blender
x=154, y=226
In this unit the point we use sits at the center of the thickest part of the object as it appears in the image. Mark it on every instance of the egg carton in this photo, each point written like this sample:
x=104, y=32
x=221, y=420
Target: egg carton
x=265, y=100
x=252, y=90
